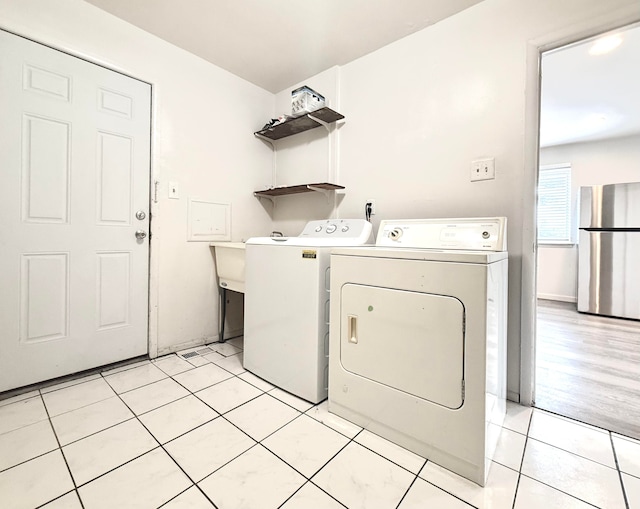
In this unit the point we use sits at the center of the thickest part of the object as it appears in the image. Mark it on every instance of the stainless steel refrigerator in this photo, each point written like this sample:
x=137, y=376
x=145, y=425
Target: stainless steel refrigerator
x=609, y=250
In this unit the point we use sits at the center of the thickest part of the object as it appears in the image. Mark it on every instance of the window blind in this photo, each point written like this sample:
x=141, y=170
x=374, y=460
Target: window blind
x=554, y=205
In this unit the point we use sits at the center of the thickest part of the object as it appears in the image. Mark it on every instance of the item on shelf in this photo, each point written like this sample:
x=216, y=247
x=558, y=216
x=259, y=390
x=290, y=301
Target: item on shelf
x=276, y=121
x=295, y=125
x=305, y=100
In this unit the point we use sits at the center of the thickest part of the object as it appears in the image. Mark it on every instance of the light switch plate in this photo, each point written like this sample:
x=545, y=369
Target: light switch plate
x=483, y=169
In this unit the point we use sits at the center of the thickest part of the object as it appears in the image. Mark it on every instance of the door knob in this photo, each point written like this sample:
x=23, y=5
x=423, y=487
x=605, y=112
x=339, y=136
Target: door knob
x=140, y=215
x=140, y=234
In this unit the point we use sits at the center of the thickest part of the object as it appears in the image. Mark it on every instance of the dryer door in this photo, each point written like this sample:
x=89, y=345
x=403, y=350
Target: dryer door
x=410, y=341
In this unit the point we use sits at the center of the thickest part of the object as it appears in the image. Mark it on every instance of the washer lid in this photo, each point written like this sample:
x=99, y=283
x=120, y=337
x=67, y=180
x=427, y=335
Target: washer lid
x=326, y=232
x=471, y=234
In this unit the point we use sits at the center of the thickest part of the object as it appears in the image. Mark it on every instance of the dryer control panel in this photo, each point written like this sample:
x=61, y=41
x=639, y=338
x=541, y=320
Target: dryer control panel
x=469, y=234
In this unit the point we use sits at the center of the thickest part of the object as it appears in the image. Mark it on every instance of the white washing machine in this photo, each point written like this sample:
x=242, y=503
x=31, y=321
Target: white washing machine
x=286, y=310
x=418, y=338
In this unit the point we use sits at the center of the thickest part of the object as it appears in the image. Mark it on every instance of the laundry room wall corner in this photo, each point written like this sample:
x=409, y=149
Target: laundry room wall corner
x=309, y=157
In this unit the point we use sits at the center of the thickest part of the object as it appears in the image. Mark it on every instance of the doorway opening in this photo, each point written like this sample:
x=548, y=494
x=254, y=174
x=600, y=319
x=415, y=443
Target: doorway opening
x=587, y=365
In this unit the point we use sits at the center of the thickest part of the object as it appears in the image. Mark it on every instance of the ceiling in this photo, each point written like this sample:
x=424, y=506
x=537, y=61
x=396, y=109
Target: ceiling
x=590, y=97
x=278, y=43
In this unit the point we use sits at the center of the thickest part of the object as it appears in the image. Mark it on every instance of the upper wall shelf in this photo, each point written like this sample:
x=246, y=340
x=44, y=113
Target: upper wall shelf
x=321, y=117
x=303, y=188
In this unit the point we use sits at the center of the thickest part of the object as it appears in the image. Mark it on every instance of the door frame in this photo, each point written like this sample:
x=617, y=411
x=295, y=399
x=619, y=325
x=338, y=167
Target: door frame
x=528, y=308
x=153, y=275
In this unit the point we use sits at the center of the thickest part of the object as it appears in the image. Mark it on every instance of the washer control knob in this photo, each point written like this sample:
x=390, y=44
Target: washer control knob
x=345, y=228
x=395, y=234
x=486, y=235
x=331, y=228
x=318, y=228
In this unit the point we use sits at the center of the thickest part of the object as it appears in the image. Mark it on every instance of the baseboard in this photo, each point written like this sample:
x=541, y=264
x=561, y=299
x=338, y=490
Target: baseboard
x=233, y=333
x=199, y=342
x=513, y=396
x=561, y=298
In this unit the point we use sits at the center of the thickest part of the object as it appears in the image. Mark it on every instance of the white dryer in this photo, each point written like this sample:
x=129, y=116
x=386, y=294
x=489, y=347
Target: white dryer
x=286, y=307
x=418, y=338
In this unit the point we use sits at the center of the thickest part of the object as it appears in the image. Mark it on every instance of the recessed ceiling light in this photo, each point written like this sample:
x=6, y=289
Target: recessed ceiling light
x=605, y=44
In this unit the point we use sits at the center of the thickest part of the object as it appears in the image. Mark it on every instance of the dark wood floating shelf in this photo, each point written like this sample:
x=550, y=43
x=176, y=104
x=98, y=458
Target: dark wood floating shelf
x=302, y=188
x=300, y=124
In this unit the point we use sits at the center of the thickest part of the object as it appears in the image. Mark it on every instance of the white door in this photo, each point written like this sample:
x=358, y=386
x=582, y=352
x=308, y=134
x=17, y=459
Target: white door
x=74, y=160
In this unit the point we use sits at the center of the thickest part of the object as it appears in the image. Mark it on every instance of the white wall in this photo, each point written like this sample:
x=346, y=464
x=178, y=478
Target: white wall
x=599, y=162
x=308, y=158
x=418, y=111
x=203, y=119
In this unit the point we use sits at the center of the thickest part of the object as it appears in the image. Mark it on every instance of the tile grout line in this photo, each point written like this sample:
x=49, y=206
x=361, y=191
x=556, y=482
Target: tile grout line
x=219, y=415
x=67, y=379
x=615, y=458
x=448, y=492
x=572, y=453
x=351, y=440
x=134, y=416
x=55, y=434
x=524, y=451
x=415, y=478
x=561, y=491
x=520, y=474
x=308, y=481
x=389, y=459
x=300, y=413
x=574, y=420
x=222, y=415
x=161, y=446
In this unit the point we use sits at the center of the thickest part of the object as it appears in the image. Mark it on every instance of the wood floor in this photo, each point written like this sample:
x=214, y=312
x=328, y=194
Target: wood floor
x=588, y=367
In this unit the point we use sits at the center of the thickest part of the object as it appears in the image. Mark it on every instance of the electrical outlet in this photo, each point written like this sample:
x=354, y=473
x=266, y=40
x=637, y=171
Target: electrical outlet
x=174, y=190
x=483, y=169
x=373, y=206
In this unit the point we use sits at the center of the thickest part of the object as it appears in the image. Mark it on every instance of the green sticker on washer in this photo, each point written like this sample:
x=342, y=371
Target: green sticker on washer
x=370, y=308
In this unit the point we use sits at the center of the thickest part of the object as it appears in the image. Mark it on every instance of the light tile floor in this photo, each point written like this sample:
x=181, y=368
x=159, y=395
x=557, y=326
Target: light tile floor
x=197, y=431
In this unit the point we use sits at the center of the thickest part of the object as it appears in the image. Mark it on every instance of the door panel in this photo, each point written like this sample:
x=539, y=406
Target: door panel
x=411, y=341
x=45, y=170
x=114, y=290
x=44, y=309
x=115, y=103
x=42, y=81
x=114, y=185
x=74, y=156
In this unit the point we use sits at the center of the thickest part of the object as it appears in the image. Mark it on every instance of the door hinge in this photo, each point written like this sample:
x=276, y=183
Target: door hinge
x=462, y=390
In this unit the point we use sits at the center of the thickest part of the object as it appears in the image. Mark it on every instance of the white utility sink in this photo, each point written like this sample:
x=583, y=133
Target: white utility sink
x=230, y=258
